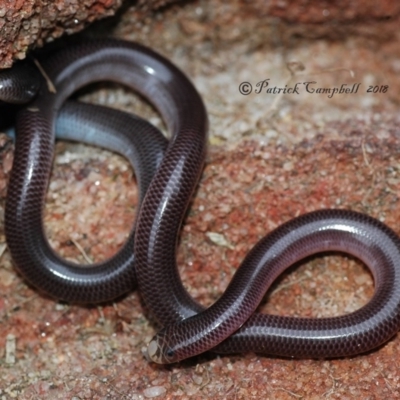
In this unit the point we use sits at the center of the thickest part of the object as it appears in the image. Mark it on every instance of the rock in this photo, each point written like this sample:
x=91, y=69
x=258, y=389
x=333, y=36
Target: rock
x=25, y=24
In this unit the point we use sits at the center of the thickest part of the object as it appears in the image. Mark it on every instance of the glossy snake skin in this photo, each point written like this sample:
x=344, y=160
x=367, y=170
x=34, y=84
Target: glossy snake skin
x=230, y=324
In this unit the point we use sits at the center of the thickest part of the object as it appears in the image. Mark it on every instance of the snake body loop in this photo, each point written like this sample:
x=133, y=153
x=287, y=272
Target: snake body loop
x=19, y=84
x=136, y=139
x=229, y=325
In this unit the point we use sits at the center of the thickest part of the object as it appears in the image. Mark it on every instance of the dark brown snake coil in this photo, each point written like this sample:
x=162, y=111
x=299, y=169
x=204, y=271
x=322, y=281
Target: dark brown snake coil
x=229, y=325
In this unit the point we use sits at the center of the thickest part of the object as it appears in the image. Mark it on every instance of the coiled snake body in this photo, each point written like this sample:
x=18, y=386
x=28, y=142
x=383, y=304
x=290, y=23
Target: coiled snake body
x=229, y=325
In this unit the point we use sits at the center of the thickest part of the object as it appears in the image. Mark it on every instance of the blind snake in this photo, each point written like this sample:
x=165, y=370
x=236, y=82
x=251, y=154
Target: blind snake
x=143, y=146
x=230, y=324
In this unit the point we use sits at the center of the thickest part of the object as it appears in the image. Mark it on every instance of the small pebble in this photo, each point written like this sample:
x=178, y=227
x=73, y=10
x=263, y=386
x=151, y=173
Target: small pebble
x=154, y=391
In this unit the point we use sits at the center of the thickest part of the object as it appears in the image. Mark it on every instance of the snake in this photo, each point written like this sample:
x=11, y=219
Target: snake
x=137, y=140
x=231, y=324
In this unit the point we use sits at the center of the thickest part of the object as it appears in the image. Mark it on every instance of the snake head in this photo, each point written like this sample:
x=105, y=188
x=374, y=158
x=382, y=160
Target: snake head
x=159, y=350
